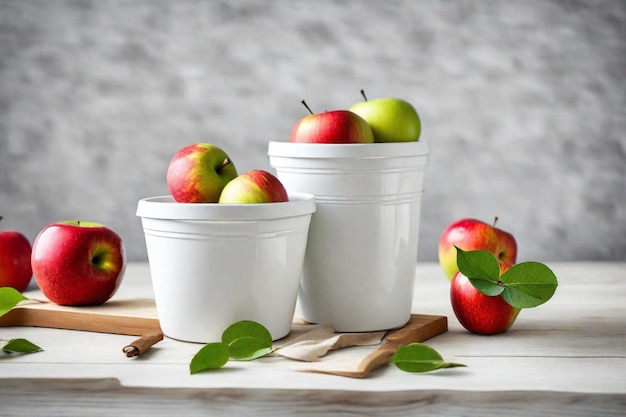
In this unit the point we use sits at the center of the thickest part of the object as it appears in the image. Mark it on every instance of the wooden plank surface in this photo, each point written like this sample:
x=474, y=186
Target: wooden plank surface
x=567, y=357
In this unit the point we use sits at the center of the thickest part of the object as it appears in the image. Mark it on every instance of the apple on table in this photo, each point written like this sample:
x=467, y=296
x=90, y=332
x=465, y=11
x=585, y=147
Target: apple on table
x=78, y=262
x=391, y=119
x=15, y=253
x=256, y=186
x=197, y=173
x=336, y=126
x=477, y=312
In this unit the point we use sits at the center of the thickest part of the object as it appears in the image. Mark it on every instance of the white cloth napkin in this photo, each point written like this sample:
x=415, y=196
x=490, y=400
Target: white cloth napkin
x=310, y=342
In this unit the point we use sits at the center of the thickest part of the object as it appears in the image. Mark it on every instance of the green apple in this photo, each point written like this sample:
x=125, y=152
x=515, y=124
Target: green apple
x=391, y=119
x=197, y=173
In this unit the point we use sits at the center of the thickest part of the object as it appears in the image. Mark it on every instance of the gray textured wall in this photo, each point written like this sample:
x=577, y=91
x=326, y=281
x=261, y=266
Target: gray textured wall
x=523, y=103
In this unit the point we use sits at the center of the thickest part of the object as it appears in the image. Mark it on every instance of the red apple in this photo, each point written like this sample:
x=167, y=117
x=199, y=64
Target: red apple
x=472, y=234
x=78, y=263
x=197, y=173
x=255, y=186
x=477, y=312
x=337, y=126
x=15, y=268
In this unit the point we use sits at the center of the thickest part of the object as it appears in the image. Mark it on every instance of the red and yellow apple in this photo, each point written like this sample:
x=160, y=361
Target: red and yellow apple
x=477, y=312
x=471, y=234
x=256, y=186
x=391, y=119
x=337, y=126
x=197, y=173
x=15, y=252
x=78, y=262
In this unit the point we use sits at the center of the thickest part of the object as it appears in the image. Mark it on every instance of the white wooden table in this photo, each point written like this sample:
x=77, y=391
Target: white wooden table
x=567, y=357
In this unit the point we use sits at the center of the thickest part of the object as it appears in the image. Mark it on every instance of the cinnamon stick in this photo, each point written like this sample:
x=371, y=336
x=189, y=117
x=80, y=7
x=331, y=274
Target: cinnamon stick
x=143, y=344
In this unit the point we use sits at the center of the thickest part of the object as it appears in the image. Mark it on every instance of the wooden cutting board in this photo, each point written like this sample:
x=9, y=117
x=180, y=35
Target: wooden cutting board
x=129, y=317
x=138, y=317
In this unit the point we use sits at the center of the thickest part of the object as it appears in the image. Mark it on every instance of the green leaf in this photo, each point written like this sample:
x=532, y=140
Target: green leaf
x=9, y=298
x=528, y=284
x=481, y=267
x=418, y=357
x=487, y=286
x=211, y=356
x=21, y=346
x=479, y=264
x=248, y=348
x=246, y=328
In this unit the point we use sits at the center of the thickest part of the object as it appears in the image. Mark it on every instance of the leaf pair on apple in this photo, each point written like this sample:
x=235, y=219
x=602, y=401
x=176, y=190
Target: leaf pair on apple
x=204, y=173
x=380, y=120
x=487, y=295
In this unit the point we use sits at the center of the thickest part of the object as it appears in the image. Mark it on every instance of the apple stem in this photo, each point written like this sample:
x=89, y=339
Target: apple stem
x=225, y=163
x=363, y=94
x=495, y=220
x=0, y=218
x=307, y=107
x=77, y=222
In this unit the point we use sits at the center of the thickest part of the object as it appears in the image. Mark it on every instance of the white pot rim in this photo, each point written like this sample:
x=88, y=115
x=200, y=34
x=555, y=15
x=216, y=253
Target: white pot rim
x=164, y=207
x=348, y=150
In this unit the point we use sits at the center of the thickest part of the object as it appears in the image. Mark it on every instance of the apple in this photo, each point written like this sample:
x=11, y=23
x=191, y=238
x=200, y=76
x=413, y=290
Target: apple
x=471, y=234
x=256, y=186
x=477, y=312
x=391, y=119
x=197, y=173
x=78, y=262
x=336, y=126
x=15, y=268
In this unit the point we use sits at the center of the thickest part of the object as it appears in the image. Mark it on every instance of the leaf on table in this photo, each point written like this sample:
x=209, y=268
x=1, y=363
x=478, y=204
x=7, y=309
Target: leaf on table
x=248, y=348
x=211, y=356
x=418, y=357
x=9, y=298
x=246, y=328
x=20, y=346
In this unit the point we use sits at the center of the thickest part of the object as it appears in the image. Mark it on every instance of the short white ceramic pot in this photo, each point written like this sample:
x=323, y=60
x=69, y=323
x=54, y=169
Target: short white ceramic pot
x=359, y=268
x=215, y=264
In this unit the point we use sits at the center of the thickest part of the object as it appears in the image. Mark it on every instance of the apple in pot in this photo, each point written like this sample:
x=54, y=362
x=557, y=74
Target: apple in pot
x=471, y=234
x=256, y=186
x=197, y=173
x=337, y=126
x=477, y=312
x=15, y=267
x=78, y=262
x=391, y=119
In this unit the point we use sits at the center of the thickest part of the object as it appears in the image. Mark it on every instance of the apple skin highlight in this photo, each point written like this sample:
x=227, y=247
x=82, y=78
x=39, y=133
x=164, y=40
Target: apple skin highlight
x=78, y=263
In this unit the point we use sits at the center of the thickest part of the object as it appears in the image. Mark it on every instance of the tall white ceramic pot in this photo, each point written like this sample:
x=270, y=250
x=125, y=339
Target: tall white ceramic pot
x=359, y=268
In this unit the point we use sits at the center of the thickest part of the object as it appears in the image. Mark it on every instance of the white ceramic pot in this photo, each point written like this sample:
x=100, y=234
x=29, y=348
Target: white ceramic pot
x=359, y=267
x=215, y=264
